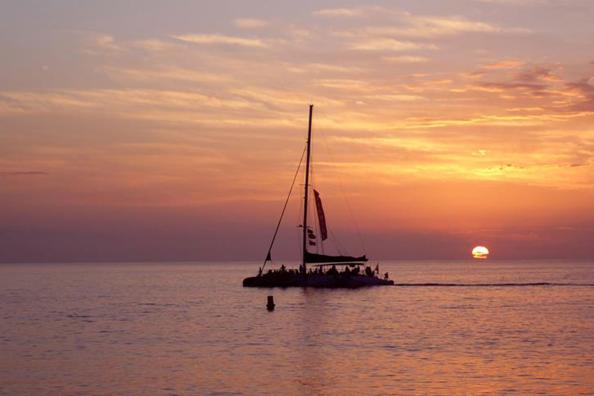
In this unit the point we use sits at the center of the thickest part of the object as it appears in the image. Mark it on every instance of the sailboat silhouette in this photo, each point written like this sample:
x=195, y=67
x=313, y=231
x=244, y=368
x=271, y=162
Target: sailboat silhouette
x=325, y=271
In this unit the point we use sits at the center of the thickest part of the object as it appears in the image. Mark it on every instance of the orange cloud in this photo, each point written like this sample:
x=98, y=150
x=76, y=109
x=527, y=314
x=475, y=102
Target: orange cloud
x=250, y=23
x=221, y=39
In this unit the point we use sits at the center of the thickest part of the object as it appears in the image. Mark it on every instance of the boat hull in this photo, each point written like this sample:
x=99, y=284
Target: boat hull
x=316, y=280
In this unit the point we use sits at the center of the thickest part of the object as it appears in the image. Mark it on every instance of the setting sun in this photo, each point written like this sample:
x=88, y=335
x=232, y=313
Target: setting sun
x=480, y=252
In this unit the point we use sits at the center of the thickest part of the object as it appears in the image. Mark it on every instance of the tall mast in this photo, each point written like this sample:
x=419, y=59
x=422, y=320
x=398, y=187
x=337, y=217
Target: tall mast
x=306, y=190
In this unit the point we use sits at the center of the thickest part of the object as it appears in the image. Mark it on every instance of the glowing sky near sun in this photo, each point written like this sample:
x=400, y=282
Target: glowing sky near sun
x=170, y=130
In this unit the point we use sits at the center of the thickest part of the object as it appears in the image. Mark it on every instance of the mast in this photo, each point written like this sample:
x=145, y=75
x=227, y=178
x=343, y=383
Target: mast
x=306, y=190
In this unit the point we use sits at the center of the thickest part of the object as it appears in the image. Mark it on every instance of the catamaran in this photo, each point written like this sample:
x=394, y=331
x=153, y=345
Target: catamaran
x=316, y=270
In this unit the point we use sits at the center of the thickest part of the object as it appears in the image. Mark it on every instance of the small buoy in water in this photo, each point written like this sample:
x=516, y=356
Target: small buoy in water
x=270, y=304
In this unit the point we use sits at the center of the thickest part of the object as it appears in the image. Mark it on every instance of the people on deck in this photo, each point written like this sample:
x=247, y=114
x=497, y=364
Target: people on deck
x=348, y=270
x=333, y=271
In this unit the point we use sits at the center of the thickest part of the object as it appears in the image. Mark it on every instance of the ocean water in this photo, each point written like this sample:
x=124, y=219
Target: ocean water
x=486, y=327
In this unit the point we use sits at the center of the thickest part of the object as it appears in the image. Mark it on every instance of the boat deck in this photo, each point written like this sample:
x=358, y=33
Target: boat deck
x=315, y=280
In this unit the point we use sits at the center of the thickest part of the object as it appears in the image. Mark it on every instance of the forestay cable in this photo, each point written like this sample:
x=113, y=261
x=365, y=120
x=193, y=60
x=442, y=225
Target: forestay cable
x=268, y=257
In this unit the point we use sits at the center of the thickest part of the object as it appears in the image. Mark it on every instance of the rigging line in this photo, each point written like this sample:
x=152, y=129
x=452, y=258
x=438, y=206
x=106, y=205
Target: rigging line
x=284, y=208
x=333, y=240
x=337, y=245
x=313, y=214
x=344, y=195
x=298, y=220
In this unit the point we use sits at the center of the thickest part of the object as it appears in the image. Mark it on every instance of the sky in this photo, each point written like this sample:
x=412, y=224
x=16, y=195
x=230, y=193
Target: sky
x=171, y=130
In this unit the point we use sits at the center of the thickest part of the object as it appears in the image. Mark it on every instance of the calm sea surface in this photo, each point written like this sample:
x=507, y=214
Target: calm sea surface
x=191, y=329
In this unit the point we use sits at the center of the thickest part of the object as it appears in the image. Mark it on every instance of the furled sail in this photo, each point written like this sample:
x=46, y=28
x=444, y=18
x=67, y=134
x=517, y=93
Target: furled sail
x=323, y=258
x=321, y=216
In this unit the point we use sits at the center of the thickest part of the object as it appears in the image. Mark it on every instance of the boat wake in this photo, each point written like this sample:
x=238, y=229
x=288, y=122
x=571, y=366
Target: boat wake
x=494, y=284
